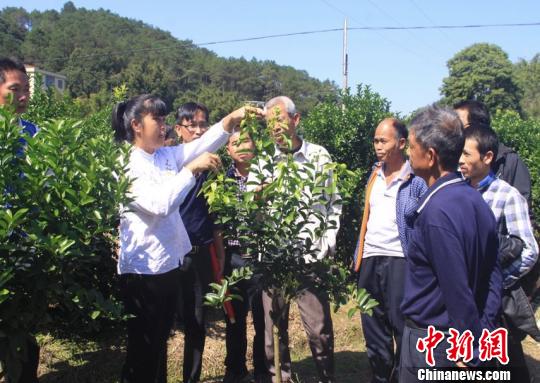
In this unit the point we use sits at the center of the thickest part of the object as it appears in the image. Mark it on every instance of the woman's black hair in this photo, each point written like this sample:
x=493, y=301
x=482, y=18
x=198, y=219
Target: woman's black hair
x=134, y=109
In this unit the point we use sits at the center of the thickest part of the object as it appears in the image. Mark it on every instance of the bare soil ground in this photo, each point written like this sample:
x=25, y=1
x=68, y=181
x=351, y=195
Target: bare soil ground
x=100, y=360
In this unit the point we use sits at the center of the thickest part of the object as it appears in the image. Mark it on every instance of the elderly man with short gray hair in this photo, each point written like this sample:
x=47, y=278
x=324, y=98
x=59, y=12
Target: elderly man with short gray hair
x=453, y=279
x=314, y=305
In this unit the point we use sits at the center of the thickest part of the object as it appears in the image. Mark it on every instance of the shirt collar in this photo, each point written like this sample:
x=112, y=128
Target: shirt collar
x=449, y=179
x=302, y=151
x=406, y=171
x=143, y=153
x=484, y=184
x=404, y=174
x=236, y=173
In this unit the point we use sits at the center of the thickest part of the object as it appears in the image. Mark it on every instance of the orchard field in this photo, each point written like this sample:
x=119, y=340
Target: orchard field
x=58, y=235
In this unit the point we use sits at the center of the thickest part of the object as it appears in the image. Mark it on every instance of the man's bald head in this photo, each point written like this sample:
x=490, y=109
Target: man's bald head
x=398, y=126
x=389, y=141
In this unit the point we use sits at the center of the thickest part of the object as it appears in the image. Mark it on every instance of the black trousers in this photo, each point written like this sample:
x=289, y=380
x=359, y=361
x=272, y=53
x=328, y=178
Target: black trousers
x=518, y=319
x=30, y=364
x=236, y=337
x=412, y=360
x=516, y=358
x=195, y=276
x=151, y=300
x=383, y=278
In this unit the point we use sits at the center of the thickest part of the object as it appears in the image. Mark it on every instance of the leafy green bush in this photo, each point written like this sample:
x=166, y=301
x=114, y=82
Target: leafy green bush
x=58, y=228
x=346, y=130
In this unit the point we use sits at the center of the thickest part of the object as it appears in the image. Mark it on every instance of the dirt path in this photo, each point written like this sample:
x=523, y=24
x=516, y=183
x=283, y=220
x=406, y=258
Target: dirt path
x=100, y=360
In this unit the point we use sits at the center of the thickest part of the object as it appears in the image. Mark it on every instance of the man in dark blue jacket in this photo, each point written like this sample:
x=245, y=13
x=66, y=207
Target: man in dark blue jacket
x=197, y=271
x=453, y=278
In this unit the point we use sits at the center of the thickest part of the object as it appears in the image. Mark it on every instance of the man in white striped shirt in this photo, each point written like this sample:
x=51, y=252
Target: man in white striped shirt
x=313, y=305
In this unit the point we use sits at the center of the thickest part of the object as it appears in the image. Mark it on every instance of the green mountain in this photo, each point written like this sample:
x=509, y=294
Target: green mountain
x=98, y=50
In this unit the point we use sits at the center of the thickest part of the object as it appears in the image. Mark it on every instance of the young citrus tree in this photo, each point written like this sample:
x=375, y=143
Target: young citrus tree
x=281, y=219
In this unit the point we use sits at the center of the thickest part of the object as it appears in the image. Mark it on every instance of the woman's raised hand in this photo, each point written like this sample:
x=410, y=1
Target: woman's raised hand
x=233, y=119
x=206, y=161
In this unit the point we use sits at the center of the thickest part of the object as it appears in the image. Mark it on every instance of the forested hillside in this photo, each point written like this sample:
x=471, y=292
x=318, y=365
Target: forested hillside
x=98, y=50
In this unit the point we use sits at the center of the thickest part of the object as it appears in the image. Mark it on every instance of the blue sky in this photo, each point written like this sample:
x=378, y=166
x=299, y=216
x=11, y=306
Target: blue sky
x=406, y=67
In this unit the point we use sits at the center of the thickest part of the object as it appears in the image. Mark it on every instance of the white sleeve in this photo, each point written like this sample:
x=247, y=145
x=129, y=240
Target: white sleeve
x=160, y=198
x=210, y=141
x=333, y=215
x=259, y=174
x=327, y=243
x=331, y=211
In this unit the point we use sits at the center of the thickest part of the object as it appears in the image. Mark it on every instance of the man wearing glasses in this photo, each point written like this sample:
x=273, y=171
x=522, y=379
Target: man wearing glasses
x=191, y=124
x=191, y=121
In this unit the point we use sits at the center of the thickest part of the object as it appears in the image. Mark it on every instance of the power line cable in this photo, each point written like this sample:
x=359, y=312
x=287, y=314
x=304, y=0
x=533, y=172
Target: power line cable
x=317, y=31
x=465, y=26
x=431, y=21
x=381, y=35
x=398, y=23
x=336, y=9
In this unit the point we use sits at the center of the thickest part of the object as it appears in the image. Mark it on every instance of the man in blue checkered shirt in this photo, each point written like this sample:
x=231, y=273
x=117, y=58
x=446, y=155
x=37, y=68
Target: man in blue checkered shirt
x=241, y=150
x=518, y=250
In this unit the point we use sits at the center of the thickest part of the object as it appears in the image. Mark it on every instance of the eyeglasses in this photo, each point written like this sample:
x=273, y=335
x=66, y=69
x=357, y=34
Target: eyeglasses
x=202, y=125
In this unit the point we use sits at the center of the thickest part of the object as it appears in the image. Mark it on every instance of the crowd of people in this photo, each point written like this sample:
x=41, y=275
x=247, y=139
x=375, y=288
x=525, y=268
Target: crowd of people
x=445, y=240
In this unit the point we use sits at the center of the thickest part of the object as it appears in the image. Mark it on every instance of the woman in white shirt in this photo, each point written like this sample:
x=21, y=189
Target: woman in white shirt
x=153, y=239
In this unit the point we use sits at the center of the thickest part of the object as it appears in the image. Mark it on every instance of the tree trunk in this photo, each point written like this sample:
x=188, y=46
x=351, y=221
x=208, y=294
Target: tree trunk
x=277, y=357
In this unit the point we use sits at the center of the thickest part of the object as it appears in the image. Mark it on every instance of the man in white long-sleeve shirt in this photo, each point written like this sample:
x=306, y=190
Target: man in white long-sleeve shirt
x=314, y=305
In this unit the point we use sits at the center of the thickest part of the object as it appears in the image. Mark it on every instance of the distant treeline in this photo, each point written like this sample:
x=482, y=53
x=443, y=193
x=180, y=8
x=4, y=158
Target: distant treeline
x=99, y=50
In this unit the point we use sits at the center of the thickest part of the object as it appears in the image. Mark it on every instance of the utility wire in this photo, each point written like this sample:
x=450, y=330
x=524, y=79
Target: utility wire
x=382, y=35
x=409, y=31
x=430, y=20
x=366, y=28
x=317, y=31
x=329, y=4
x=465, y=26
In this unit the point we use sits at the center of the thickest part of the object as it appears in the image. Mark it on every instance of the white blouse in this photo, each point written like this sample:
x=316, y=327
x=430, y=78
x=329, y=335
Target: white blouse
x=153, y=239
